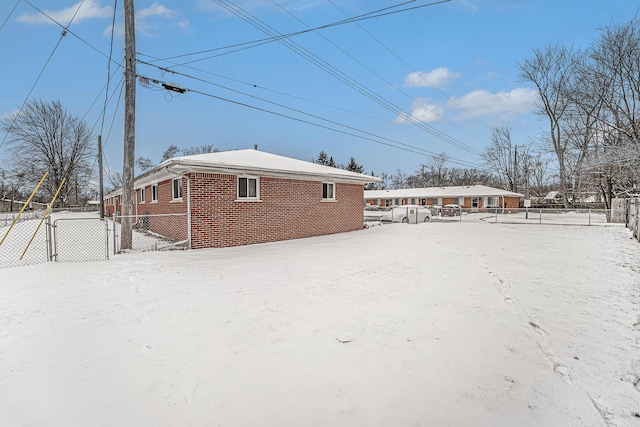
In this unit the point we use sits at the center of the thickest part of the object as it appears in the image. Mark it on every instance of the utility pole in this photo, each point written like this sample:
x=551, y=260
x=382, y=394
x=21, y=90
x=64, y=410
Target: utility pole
x=126, y=224
x=515, y=168
x=101, y=173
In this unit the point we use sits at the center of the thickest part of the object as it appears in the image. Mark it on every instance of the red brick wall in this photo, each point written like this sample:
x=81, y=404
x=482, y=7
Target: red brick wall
x=174, y=227
x=288, y=209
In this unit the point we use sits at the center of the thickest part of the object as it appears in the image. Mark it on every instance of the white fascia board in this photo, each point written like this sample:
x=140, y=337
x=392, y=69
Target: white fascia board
x=179, y=168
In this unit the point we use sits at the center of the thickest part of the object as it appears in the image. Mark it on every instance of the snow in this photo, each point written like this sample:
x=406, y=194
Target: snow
x=443, y=323
x=434, y=192
x=251, y=162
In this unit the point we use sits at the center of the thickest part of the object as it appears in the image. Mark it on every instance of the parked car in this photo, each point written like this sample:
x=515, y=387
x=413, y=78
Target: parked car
x=410, y=214
x=450, y=210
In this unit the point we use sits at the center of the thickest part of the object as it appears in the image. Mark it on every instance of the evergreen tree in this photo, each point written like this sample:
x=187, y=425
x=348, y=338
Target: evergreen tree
x=354, y=167
x=322, y=159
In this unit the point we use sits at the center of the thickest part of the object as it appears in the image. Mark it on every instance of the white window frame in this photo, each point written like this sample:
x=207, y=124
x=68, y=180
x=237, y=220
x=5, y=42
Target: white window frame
x=142, y=195
x=154, y=193
x=333, y=190
x=179, y=188
x=248, y=180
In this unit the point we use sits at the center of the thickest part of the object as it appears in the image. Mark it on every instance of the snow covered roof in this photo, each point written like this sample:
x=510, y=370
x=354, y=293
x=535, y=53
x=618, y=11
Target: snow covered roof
x=431, y=192
x=551, y=195
x=249, y=162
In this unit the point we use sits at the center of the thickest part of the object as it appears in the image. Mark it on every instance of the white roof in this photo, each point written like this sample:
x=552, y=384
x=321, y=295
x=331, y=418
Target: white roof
x=248, y=162
x=432, y=192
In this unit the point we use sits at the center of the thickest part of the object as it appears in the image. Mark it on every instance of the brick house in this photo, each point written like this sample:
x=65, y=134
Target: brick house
x=242, y=197
x=473, y=198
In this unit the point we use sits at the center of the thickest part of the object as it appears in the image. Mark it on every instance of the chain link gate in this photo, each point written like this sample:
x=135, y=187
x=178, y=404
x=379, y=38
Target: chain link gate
x=79, y=239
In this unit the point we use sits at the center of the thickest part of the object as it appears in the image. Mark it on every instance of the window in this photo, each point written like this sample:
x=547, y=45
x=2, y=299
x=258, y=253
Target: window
x=142, y=195
x=177, y=188
x=474, y=202
x=248, y=188
x=328, y=191
x=154, y=193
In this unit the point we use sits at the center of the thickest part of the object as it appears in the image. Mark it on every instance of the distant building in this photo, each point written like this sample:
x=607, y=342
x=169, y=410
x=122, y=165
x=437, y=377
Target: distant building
x=476, y=198
x=243, y=197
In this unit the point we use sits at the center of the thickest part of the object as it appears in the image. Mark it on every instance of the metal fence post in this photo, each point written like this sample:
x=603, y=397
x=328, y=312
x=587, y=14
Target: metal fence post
x=540, y=218
x=49, y=239
x=115, y=233
x=589, y=216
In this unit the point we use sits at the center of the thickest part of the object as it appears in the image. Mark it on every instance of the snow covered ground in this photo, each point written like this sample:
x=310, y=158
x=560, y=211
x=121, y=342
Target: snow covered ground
x=437, y=324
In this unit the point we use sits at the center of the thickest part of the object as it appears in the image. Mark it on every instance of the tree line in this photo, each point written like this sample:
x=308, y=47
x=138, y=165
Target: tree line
x=590, y=100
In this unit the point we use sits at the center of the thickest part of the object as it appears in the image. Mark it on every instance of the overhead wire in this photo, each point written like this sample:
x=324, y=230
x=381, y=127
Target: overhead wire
x=451, y=140
x=319, y=62
x=253, y=85
x=254, y=43
x=62, y=35
x=419, y=74
x=350, y=132
x=66, y=29
x=106, y=95
x=9, y=16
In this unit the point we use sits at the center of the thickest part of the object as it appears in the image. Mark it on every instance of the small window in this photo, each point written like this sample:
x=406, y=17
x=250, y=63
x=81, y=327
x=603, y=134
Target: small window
x=474, y=202
x=328, y=191
x=247, y=188
x=154, y=193
x=142, y=195
x=177, y=188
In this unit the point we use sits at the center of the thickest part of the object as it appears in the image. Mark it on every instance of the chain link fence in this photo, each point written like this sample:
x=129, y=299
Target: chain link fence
x=549, y=216
x=153, y=232
x=632, y=216
x=32, y=239
x=79, y=240
x=24, y=239
x=501, y=215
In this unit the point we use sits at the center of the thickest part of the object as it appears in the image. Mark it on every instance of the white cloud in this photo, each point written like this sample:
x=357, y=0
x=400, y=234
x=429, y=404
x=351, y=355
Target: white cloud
x=156, y=9
x=483, y=102
x=10, y=115
x=435, y=78
x=146, y=20
x=421, y=112
x=90, y=9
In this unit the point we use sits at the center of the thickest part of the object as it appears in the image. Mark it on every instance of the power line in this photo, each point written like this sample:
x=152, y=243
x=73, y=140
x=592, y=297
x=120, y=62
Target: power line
x=9, y=16
x=106, y=94
x=62, y=35
x=415, y=71
x=451, y=140
x=320, y=63
x=254, y=43
x=66, y=28
x=146, y=81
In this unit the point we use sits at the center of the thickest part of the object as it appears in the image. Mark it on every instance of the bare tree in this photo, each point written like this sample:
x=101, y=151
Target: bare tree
x=498, y=156
x=13, y=183
x=552, y=71
x=399, y=179
x=144, y=163
x=200, y=149
x=45, y=137
x=115, y=180
x=169, y=153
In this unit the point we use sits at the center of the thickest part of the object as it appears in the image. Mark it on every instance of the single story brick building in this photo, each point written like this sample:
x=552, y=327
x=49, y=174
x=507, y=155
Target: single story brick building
x=473, y=198
x=242, y=197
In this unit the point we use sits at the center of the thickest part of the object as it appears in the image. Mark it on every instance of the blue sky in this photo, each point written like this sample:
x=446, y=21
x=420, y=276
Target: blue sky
x=430, y=80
